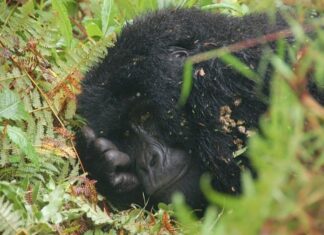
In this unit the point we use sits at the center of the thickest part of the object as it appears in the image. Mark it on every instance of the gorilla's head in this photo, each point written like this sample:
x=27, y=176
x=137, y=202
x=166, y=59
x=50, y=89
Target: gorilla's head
x=138, y=139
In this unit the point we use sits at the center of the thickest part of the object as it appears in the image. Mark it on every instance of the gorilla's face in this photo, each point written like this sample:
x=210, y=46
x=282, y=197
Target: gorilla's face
x=163, y=170
x=147, y=164
x=158, y=166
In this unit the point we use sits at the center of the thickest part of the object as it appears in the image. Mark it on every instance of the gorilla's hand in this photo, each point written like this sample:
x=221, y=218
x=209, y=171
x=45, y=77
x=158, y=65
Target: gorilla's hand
x=106, y=163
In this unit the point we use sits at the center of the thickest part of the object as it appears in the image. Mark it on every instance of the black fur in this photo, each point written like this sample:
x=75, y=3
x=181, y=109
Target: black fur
x=144, y=72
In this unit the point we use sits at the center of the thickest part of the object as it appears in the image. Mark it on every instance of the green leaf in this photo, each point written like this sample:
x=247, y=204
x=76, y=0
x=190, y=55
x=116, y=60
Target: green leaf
x=227, y=6
x=93, y=29
x=9, y=190
x=63, y=21
x=187, y=83
x=239, y=152
x=105, y=15
x=50, y=212
x=210, y=221
x=27, y=8
x=184, y=214
x=11, y=106
x=10, y=220
x=282, y=67
x=17, y=136
x=94, y=212
x=240, y=66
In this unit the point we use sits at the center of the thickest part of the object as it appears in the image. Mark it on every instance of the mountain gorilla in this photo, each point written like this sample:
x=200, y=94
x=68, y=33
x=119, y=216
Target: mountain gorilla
x=138, y=140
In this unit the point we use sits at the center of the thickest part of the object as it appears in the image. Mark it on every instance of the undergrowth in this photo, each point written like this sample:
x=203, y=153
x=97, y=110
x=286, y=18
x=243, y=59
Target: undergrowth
x=45, y=49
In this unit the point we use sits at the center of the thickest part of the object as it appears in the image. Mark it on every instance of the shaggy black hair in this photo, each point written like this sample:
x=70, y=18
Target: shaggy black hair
x=143, y=74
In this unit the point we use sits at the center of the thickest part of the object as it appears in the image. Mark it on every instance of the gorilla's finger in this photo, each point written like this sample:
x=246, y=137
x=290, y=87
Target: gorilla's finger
x=124, y=181
x=116, y=159
x=88, y=134
x=103, y=145
x=85, y=138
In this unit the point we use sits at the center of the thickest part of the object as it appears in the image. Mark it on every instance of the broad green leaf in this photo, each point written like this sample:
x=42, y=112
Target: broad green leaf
x=63, y=21
x=17, y=136
x=105, y=15
x=50, y=212
x=11, y=106
x=93, y=29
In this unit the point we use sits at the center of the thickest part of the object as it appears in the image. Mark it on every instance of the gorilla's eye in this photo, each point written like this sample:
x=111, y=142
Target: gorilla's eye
x=154, y=159
x=178, y=52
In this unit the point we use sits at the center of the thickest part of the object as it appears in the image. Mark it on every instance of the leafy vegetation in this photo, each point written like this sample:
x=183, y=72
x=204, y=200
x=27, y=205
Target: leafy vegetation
x=46, y=47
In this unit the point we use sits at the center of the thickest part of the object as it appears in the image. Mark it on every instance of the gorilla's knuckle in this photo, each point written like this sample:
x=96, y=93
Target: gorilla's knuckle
x=102, y=145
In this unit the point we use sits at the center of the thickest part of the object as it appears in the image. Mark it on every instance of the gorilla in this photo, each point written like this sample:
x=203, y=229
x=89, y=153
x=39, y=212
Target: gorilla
x=138, y=141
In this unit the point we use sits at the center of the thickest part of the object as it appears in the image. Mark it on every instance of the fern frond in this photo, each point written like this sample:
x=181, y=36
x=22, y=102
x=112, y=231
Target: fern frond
x=10, y=220
x=82, y=57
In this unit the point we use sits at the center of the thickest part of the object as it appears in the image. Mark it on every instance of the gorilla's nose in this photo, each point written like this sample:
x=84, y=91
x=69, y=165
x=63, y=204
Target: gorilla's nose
x=150, y=161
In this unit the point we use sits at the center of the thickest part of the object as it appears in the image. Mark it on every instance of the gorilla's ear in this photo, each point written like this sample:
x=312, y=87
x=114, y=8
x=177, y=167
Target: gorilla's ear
x=178, y=52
